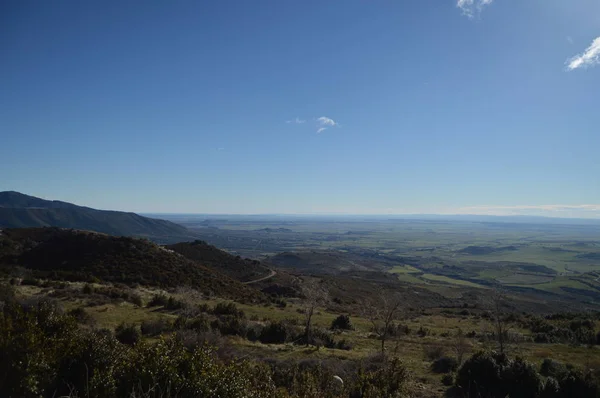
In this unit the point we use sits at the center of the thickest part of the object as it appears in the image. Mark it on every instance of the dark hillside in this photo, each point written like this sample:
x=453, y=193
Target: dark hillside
x=24, y=211
x=232, y=266
x=81, y=255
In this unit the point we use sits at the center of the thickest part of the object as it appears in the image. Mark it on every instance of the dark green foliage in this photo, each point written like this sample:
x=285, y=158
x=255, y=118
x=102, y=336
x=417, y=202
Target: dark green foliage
x=277, y=333
x=480, y=375
x=44, y=354
x=496, y=376
x=155, y=327
x=422, y=332
x=199, y=324
x=552, y=368
x=386, y=380
x=343, y=344
x=81, y=316
x=210, y=256
x=31, y=340
x=87, y=289
x=158, y=300
x=230, y=325
x=228, y=309
x=85, y=256
x=342, y=322
x=447, y=380
x=433, y=351
x=7, y=293
x=128, y=334
x=522, y=379
x=573, y=328
x=444, y=365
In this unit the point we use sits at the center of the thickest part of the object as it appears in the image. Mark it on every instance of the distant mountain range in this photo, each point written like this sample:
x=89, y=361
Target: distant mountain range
x=20, y=211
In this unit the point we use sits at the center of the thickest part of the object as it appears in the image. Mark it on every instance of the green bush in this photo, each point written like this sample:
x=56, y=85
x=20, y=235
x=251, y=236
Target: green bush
x=228, y=309
x=444, y=365
x=552, y=368
x=128, y=334
x=448, y=379
x=342, y=322
x=158, y=300
x=276, y=333
x=230, y=325
x=155, y=327
x=495, y=375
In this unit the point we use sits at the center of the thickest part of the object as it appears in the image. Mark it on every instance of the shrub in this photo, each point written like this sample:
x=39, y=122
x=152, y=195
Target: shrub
x=387, y=380
x=155, y=327
x=87, y=289
x=276, y=333
x=158, y=300
x=448, y=379
x=199, y=324
x=552, y=368
x=444, y=365
x=230, y=325
x=480, y=375
x=433, y=352
x=342, y=322
x=228, y=309
x=81, y=316
x=495, y=375
x=128, y=334
x=343, y=345
x=521, y=379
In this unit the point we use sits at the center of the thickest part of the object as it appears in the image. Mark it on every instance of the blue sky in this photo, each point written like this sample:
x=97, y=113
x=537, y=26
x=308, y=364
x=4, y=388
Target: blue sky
x=390, y=107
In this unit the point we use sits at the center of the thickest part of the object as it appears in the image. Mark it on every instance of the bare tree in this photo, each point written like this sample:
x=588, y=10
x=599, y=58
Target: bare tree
x=314, y=295
x=500, y=324
x=460, y=346
x=382, y=313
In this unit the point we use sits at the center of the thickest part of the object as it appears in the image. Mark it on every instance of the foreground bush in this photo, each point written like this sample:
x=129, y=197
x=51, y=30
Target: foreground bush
x=495, y=375
x=43, y=353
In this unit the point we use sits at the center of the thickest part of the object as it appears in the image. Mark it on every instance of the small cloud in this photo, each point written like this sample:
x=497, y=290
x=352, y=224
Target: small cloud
x=324, y=122
x=472, y=8
x=296, y=121
x=590, y=57
x=570, y=39
x=220, y=149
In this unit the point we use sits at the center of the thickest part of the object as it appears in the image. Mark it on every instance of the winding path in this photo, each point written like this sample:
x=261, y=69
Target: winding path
x=264, y=278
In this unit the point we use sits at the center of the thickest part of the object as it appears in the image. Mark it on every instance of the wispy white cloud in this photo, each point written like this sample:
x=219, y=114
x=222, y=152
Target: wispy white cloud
x=590, y=57
x=296, y=121
x=324, y=122
x=472, y=8
x=583, y=210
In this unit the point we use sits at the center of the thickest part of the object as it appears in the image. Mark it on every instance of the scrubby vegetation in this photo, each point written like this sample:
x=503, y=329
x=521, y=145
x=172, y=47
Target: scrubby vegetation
x=70, y=255
x=44, y=353
x=294, y=333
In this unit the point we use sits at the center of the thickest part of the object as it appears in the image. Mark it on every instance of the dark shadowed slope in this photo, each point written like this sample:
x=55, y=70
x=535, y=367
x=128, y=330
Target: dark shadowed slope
x=232, y=266
x=21, y=211
x=79, y=255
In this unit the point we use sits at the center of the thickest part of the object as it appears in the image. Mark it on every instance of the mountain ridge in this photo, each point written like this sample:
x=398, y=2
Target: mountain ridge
x=18, y=210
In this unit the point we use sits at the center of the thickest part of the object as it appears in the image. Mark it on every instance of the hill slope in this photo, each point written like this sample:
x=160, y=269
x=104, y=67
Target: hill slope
x=81, y=255
x=210, y=256
x=22, y=211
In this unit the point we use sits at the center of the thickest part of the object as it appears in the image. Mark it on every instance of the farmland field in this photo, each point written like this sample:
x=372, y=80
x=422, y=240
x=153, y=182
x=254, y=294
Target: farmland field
x=534, y=257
